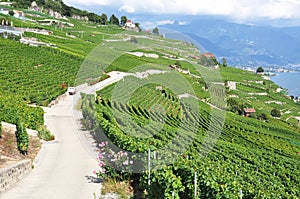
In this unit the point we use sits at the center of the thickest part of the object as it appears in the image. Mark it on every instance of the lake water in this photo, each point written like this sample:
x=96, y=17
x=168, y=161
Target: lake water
x=290, y=80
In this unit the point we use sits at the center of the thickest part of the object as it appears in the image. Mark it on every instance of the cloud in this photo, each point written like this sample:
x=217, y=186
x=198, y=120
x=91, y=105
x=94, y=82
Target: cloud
x=165, y=22
x=127, y=8
x=182, y=23
x=237, y=9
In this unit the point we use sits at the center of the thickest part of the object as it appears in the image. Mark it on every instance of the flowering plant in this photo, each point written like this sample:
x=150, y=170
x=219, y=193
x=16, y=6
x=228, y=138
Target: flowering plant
x=113, y=164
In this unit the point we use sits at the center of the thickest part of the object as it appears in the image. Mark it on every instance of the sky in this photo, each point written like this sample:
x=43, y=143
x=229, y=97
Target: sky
x=242, y=11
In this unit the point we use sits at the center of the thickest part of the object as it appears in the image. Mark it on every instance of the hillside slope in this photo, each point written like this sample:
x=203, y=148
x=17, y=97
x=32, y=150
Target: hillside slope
x=169, y=103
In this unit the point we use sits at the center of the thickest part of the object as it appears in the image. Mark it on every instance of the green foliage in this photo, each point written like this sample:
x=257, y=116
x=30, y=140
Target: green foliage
x=249, y=153
x=35, y=73
x=94, y=18
x=235, y=107
x=138, y=26
x=178, y=64
x=133, y=39
x=45, y=134
x=22, y=3
x=123, y=20
x=260, y=70
x=13, y=108
x=164, y=184
x=55, y=5
x=224, y=62
x=155, y=31
x=103, y=19
x=275, y=113
x=263, y=116
x=11, y=13
x=22, y=138
x=114, y=20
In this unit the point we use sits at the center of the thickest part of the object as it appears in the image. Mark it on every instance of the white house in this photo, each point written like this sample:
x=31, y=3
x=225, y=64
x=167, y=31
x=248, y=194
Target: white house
x=6, y=3
x=19, y=14
x=278, y=90
x=130, y=24
x=231, y=85
x=4, y=11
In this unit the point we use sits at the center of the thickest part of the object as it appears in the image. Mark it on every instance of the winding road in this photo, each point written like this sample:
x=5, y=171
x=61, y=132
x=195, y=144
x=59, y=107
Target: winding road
x=64, y=167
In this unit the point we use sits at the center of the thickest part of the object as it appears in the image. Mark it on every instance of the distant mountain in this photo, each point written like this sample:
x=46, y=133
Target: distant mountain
x=244, y=45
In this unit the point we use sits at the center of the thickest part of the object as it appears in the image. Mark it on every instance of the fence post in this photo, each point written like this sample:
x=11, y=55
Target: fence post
x=149, y=169
x=195, y=185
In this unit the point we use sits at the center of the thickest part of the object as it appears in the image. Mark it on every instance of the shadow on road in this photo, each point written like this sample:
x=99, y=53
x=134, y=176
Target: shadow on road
x=92, y=179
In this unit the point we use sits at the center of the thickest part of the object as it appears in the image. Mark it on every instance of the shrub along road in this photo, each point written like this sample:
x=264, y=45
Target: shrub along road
x=64, y=167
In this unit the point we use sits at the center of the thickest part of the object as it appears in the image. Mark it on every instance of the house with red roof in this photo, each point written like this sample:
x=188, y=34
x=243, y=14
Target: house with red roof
x=249, y=111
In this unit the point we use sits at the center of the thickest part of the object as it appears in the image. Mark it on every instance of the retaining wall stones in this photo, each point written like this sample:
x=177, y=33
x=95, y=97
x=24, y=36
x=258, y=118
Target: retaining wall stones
x=12, y=174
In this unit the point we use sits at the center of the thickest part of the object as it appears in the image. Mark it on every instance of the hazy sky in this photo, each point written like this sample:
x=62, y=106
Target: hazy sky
x=239, y=10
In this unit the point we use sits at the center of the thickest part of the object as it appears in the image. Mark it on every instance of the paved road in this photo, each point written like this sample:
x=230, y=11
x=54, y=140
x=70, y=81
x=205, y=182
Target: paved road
x=64, y=167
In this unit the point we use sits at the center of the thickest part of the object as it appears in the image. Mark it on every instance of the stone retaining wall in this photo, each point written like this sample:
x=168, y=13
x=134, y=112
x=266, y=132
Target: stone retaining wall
x=12, y=174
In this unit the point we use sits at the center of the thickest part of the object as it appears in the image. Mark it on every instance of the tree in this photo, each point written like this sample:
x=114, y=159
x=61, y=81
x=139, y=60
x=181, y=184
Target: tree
x=178, y=64
x=11, y=13
x=93, y=17
x=0, y=129
x=263, y=116
x=103, y=19
x=137, y=25
x=275, y=113
x=155, y=31
x=235, y=107
x=224, y=62
x=123, y=20
x=114, y=20
x=133, y=39
x=260, y=70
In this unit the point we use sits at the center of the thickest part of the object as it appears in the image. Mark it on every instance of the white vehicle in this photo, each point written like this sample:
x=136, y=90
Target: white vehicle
x=71, y=90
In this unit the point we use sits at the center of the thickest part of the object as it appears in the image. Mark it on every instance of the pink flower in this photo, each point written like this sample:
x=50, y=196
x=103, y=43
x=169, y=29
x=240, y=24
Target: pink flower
x=102, y=170
x=125, y=163
x=102, y=144
x=95, y=172
x=101, y=164
x=131, y=162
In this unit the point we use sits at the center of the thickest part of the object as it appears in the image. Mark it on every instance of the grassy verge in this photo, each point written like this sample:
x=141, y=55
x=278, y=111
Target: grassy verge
x=121, y=188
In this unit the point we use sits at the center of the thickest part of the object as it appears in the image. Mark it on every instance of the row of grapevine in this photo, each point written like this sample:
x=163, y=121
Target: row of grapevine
x=247, y=157
x=36, y=73
x=13, y=108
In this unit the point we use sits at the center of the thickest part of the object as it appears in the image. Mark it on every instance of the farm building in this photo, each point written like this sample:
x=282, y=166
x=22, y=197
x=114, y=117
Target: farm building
x=4, y=11
x=231, y=85
x=249, y=111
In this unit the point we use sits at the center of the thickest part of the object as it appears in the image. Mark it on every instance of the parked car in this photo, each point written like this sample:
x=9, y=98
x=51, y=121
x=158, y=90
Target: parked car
x=71, y=90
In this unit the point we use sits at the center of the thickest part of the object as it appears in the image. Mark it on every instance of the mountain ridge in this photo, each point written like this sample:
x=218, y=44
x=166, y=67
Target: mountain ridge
x=244, y=45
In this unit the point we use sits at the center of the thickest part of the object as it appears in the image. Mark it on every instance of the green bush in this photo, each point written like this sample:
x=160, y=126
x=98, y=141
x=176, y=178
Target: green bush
x=45, y=134
x=22, y=138
x=275, y=113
